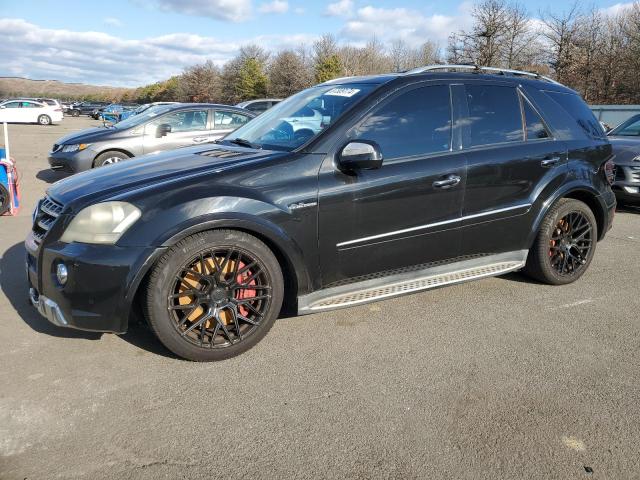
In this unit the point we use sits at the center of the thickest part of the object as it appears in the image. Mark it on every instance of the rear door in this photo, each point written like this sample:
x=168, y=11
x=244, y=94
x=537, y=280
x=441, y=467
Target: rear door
x=30, y=111
x=225, y=122
x=177, y=129
x=405, y=213
x=511, y=156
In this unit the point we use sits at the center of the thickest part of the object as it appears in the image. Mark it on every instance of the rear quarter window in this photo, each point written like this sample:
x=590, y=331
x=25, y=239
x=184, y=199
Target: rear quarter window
x=575, y=106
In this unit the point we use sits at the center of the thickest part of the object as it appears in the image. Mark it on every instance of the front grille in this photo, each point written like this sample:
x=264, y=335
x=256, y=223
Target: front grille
x=47, y=213
x=635, y=174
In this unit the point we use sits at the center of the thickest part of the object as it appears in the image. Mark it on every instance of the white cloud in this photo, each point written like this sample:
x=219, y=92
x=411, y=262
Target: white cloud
x=113, y=22
x=409, y=25
x=616, y=9
x=276, y=6
x=99, y=58
x=231, y=10
x=342, y=8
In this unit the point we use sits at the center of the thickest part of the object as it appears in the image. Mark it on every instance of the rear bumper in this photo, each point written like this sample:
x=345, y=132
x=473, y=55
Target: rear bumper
x=101, y=285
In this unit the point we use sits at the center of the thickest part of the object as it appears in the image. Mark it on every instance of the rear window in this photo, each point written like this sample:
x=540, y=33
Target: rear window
x=494, y=115
x=575, y=106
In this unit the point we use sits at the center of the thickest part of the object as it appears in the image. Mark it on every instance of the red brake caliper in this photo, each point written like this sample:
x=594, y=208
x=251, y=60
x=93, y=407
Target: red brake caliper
x=243, y=292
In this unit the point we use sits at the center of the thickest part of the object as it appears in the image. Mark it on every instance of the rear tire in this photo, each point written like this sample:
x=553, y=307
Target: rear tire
x=565, y=244
x=75, y=113
x=109, y=158
x=214, y=295
x=44, y=120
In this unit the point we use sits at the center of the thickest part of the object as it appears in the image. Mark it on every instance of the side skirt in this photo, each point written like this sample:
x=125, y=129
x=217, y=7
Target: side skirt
x=410, y=282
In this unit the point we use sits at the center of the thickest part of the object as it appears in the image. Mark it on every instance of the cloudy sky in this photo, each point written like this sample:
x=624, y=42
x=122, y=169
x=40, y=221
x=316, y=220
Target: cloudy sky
x=136, y=42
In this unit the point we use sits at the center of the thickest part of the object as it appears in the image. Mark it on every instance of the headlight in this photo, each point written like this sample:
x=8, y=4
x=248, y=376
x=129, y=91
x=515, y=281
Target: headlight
x=75, y=148
x=101, y=223
x=636, y=159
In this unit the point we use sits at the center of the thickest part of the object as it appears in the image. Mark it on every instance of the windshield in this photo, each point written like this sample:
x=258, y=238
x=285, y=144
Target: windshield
x=296, y=120
x=629, y=128
x=148, y=114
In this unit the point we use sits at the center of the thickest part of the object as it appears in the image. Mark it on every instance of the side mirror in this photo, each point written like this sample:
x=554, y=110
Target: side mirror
x=360, y=155
x=162, y=130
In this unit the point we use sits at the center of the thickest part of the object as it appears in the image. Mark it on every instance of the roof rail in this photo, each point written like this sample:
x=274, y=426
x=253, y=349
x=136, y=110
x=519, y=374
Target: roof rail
x=478, y=69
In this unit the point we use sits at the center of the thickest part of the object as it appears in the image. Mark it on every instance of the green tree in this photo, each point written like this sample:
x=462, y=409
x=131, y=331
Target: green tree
x=328, y=68
x=252, y=81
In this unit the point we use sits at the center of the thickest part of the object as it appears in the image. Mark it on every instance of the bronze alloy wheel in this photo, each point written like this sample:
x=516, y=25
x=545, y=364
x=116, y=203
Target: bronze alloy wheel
x=570, y=243
x=565, y=243
x=219, y=297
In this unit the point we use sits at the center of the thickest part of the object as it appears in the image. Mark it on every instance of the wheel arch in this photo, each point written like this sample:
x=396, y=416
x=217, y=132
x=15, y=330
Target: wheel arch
x=114, y=149
x=584, y=193
x=294, y=272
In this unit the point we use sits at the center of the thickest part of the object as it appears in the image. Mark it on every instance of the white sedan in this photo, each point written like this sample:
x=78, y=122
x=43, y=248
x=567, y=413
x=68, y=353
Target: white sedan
x=29, y=111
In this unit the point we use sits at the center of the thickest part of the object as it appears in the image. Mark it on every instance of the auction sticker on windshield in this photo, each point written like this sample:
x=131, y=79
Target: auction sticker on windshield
x=343, y=92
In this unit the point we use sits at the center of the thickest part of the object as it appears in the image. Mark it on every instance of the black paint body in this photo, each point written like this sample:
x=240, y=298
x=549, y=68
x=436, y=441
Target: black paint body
x=319, y=219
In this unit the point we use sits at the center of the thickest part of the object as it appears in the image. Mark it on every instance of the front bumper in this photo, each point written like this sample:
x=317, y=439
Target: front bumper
x=72, y=162
x=102, y=282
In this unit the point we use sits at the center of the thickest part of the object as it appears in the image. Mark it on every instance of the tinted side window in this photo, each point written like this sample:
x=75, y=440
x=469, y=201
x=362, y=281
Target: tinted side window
x=258, y=107
x=583, y=115
x=534, y=126
x=414, y=123
x=224, y=120
x=494, y=114
x=180, y=121
x=631, y=129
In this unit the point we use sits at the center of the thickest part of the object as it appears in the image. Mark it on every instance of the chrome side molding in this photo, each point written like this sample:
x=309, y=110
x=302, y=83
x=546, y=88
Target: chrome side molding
x=431, y=225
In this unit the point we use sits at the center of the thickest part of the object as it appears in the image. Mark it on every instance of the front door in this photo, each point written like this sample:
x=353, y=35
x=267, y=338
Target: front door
x=177, y=129
x=407, y=212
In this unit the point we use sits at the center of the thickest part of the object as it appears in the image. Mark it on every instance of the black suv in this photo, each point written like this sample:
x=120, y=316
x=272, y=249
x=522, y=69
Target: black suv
x=352, y=191
x=85, y=108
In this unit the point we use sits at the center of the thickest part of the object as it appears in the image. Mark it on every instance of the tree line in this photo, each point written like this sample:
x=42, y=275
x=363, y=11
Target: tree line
x=591, y=51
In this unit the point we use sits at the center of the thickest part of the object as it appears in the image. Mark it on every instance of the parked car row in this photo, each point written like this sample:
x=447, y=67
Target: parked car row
x=351, y=191
x=154, y=129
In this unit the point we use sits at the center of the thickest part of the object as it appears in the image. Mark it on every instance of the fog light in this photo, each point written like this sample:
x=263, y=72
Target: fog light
x=62, y=273
x=632, y=189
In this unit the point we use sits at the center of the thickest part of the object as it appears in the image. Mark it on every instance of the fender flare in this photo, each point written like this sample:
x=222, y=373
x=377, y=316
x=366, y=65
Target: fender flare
x=576, y=190
x=286, y=250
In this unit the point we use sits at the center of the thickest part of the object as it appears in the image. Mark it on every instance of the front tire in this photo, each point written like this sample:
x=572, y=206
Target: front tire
x=75, y=113
x=214, y=295
x=565, y=244
x=44, y=120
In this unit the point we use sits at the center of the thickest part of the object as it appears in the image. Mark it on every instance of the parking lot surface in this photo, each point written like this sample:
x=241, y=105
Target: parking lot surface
x=501, y=378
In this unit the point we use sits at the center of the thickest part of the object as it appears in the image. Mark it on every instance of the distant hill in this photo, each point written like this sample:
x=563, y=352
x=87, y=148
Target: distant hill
x=23, y=87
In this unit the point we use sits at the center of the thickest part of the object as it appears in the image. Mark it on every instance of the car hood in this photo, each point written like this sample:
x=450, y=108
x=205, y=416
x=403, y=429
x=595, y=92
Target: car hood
x=87, y=136
x=625, y=149
x=107, y=182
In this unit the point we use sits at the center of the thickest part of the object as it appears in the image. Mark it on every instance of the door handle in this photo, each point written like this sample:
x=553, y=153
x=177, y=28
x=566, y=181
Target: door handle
x=200, y=139
x=450, y=181
x=550, y=162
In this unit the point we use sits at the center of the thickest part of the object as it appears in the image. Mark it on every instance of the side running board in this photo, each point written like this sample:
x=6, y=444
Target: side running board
x=410, y=282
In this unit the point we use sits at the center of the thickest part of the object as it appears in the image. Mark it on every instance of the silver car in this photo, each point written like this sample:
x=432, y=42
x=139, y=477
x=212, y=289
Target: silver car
x=162, y=127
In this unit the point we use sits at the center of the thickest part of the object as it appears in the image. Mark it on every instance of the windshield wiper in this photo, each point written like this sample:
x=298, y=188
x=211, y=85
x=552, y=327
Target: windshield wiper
x=244, y=143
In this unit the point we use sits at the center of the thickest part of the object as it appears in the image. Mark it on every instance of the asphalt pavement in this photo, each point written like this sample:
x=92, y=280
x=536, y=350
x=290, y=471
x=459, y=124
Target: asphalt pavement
x=503, y=378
